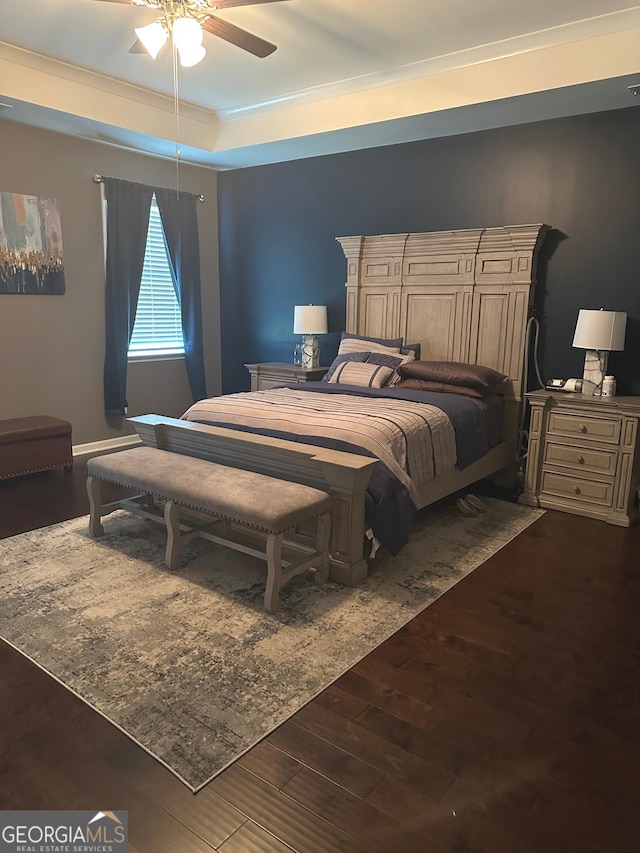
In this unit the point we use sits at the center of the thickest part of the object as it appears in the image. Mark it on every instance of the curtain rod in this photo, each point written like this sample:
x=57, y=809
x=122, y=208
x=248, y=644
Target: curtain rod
x=99, y=179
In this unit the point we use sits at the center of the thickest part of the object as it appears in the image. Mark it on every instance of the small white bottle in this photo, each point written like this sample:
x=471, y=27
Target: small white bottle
x=609, y=386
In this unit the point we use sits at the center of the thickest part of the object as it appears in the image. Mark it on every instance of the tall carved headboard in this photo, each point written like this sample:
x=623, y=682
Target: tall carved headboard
x=463, y=295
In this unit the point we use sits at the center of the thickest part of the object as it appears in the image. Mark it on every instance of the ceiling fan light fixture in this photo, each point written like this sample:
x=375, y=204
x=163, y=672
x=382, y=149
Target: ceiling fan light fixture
x=187, y=37
x=153, y=37
x=191, y=55
x=187, y=33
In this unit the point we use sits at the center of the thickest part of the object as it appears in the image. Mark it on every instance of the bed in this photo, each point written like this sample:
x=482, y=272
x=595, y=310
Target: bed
x=414, y=435
x=463, y=296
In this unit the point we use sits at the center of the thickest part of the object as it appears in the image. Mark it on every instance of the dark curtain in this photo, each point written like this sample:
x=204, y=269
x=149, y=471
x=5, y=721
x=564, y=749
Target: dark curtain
x=128, y=207
x=180, y=223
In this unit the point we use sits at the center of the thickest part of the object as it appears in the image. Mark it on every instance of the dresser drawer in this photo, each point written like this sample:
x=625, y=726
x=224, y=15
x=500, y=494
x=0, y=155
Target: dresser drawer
x=265, y=382
x=602, y=429
x=584, y=455
x=581, y=459
x=587, y=491
x=270, y=374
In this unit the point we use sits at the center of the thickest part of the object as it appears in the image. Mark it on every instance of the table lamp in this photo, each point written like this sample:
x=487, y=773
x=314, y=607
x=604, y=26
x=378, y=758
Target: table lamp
x=599, y=332
x=310, y=321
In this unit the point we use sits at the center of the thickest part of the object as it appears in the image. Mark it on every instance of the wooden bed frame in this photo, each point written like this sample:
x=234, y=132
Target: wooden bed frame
x=463, y=296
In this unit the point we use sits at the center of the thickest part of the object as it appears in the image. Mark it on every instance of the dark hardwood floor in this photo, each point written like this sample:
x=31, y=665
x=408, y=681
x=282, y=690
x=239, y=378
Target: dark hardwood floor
x=504, y=718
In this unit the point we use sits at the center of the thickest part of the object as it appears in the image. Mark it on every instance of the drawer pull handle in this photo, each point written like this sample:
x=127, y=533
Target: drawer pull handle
x=582, y=428
x=581, y=460
x=576, y=489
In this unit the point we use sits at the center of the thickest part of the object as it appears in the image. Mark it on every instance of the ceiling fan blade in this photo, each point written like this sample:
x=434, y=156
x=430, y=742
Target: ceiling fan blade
x=227, y=4
x=241, y=38
x=138, y=47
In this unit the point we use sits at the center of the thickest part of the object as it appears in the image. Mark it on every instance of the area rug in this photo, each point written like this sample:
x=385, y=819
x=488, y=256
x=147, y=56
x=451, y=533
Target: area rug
x=187, y=663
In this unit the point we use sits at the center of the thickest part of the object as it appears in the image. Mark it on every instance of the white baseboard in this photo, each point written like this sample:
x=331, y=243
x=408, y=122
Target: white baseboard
x=122, y=442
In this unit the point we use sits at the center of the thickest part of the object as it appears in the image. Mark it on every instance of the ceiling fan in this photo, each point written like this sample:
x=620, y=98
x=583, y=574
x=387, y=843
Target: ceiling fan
x=186, y=21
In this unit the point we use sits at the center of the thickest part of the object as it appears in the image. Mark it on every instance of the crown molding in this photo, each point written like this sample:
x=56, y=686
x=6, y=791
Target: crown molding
x=588, y=28
x=560, y=66
x=54, y=85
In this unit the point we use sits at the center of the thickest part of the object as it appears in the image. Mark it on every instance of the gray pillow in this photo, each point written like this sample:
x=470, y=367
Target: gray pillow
x=392, y=361
x=441, y=387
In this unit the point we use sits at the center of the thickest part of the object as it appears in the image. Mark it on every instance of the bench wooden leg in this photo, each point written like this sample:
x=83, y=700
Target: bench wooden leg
x=274, y=572
x=95, y=506
x=172, y=520
x=322, y=546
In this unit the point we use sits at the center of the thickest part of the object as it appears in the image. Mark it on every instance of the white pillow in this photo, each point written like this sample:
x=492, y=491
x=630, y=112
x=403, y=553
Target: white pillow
x=340, y=359
x=361, y=373
x=357, y=345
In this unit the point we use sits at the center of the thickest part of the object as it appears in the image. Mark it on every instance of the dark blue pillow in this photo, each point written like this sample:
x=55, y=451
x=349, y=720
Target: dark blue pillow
x=385, y=359
x=407, y=348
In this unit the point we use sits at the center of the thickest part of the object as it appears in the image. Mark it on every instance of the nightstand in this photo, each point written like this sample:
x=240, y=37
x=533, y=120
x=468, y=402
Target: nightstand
x=272, y=373
x=584, y=455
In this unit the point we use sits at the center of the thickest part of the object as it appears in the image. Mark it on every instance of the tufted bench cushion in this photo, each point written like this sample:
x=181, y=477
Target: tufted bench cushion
x=34, y=443
x=254, y=499
x=246, y=498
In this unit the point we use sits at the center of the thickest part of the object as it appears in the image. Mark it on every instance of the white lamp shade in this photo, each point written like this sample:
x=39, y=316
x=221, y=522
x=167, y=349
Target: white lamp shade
x=600, y=330
x=187, y=37
x=187, y=33
x=153, y=37
x=310, y=320
x=192, y=55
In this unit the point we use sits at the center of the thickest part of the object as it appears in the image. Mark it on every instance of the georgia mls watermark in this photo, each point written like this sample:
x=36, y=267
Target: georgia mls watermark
x=63, y=832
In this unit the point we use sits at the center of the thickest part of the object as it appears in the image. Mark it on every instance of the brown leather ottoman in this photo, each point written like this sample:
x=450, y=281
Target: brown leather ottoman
x=34, y=443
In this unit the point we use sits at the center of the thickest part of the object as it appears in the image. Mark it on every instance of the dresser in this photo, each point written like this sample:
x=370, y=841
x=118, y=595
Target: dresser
x=272, y=373
x=584, y=455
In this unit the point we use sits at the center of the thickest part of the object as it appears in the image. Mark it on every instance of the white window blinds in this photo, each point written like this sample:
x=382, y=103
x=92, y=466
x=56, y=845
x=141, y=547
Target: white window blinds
x=157, y=329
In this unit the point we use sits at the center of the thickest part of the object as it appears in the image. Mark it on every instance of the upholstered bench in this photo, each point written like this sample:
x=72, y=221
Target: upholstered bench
x=34, y=443
x=241, y=500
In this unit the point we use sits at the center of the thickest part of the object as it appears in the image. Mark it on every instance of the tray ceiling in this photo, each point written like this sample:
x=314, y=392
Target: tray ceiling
x=345, y=75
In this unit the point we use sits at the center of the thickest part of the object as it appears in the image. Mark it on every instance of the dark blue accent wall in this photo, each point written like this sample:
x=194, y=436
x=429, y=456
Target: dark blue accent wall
x=581, y=175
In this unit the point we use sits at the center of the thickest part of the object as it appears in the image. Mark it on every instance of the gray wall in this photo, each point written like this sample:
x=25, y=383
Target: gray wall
x=52, y=347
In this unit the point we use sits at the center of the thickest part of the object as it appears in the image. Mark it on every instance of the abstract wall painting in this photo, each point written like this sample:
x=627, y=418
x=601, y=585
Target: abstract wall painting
x=30, y=245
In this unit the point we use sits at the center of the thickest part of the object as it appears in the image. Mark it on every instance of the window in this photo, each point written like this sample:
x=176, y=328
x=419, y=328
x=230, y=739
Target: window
x=157, y=329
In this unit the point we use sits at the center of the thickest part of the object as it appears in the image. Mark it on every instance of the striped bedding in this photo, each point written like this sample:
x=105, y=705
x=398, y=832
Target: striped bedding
x=416, y=441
